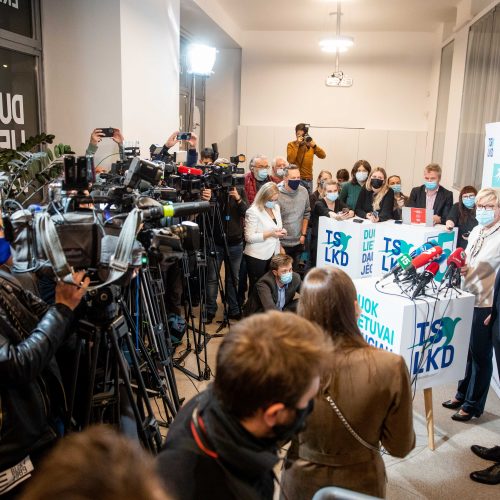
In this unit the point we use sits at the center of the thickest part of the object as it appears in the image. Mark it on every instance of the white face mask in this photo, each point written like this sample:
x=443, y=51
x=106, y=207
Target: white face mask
x=361, y=176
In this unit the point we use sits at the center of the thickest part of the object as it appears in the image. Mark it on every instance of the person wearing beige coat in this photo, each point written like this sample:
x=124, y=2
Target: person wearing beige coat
x=371, y=387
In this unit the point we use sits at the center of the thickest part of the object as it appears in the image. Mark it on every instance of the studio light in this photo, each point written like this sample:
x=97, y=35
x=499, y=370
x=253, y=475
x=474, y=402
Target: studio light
x=201, y=59
x=340, y=43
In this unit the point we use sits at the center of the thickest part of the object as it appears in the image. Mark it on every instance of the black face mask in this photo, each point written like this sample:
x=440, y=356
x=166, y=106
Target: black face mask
x=283, y=433
x=377, y=183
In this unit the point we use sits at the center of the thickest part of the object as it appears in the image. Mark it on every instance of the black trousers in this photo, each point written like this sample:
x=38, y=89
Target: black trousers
x=256, y=268
x=295, y=252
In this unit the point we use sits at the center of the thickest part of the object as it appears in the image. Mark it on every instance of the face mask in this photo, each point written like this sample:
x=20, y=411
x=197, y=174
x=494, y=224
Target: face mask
x=280, y=172
x=377, y=183
x=4, y=251
x=283, y=433
x=270, y=204
x=332, y=196
x=361, y=176
x=469, y=202
x=261, y=174
x=294, y=184
x=431, y=185
x=396, y=188
x=485, y=216
x=286, y=278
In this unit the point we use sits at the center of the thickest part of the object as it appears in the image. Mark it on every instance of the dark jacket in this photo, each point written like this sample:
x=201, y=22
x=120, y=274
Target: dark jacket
x=229, y=463
x=364, y=204
x=264, y=295
x=442, y=203
x=231, y=214
x=31, y=393
x=495, y=310
x=464, y=227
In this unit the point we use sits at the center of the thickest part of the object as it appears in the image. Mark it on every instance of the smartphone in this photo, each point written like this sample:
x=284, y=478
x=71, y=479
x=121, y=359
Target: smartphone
x=359, y=221
x=398, y=222
x=375, y=213
x=343, y=211
x=184, y=136
x=107, y=131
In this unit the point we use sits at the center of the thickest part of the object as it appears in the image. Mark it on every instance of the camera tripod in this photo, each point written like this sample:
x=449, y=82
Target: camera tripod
x=100, y=361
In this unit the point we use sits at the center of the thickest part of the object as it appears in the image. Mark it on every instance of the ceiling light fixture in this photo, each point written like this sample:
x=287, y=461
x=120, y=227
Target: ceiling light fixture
x=337, y=43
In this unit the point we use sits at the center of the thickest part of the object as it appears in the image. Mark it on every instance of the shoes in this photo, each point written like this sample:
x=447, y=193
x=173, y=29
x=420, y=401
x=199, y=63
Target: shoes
x=210, y=318
x=452, y=405
x=459, y=417
x=492, y=454
x=236, y=316
x=491, y=475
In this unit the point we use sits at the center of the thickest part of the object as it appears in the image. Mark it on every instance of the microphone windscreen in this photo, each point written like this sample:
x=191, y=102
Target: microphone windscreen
x=182, y=169
x=426, y=257
x=457, y=258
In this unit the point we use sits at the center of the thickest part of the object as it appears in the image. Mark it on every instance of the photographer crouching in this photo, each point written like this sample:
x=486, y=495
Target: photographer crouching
x=32, y=399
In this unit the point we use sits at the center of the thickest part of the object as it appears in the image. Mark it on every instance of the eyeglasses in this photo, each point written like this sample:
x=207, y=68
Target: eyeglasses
x=486, y=207
x=468, y=196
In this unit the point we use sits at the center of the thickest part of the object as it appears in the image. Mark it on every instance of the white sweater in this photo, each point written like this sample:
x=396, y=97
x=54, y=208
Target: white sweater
x=483, y=267
x=257, y=222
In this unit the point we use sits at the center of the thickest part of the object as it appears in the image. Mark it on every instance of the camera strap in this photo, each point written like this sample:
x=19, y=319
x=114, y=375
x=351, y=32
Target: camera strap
x=120, y=260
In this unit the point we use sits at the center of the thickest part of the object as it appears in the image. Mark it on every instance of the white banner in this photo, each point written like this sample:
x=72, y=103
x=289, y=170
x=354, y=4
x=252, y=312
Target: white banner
x=491, y=165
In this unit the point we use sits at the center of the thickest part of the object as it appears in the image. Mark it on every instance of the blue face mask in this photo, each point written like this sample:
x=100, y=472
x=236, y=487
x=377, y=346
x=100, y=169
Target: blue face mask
x=485, y=216
x=431, y=185
x=286, y=278
x=293, y=184
x=270, y=204
x=396, y=188
x=261, y=174
x=332, y=196
x=4, y=251
x=469, y=202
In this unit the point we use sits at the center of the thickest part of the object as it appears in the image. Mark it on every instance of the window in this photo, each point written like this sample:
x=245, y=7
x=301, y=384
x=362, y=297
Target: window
x=442, y=103
x=481, y=98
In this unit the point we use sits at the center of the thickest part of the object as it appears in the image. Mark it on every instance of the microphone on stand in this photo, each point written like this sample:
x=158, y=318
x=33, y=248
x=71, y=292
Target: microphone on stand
x=456, y=260
x=425, y=278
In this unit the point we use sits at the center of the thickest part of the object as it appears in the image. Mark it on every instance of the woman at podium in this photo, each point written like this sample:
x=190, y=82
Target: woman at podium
x=376, y=199
x=366, y=400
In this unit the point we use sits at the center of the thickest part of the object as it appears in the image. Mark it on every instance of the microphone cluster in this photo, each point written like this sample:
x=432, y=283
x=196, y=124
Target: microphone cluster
x=427, y=259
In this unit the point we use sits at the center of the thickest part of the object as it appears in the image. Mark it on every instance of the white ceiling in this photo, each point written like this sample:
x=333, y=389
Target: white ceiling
x=358, y=15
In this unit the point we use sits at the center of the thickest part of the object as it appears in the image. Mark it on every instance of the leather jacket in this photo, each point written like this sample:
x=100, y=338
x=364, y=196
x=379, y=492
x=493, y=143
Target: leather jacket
x=31, y=393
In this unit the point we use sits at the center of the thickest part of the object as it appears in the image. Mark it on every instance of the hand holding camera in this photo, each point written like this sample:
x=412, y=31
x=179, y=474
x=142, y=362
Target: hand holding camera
x=71, y=294
x=233, y=193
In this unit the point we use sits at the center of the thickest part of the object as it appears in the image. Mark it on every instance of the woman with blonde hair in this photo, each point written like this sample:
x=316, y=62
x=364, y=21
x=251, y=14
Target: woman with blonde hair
x=376, y=199
x=366, y=400
x=323, y=176
x=263, y=230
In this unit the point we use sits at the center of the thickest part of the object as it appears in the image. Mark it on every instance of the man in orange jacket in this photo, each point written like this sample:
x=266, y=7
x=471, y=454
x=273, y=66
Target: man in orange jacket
x=301, y=153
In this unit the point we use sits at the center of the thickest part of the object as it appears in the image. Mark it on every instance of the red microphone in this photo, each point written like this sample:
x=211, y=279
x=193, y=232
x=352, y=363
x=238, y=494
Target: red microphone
x=455, y=261
x=426, y=257
x=426, y=277
x=181, y=169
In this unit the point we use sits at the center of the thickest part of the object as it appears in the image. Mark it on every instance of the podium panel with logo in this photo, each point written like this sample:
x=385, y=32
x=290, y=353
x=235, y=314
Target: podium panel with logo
x=392, y=240
x=431, y=334
x=347, y=245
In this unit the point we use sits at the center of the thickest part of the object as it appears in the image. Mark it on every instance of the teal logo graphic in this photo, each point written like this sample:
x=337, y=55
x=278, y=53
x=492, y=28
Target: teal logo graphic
x=393, y=249
x=434, y=341
x=445, y=240
x=336, y=248
x=495, y=181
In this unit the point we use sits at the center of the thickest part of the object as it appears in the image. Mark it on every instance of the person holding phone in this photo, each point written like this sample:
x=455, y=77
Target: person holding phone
x=328, y=206
x=376, y=199
x=263, y=231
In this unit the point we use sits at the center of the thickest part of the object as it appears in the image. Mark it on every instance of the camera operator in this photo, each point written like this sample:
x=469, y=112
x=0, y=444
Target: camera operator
x=223, y=443
x=32, y=402
x=233, y=206
x=207, y=156
x=301, y=152
x=97, y=136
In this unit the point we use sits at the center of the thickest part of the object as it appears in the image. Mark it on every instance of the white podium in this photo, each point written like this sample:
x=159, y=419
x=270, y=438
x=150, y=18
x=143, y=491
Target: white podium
x=347, y=245
x=431, y=334
x=392, y=240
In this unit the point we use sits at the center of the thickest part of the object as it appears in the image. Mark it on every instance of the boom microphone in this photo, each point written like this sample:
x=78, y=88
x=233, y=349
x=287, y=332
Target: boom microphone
x=425, y=278
x=176, y=210
x=181, y=169
x=455, y=261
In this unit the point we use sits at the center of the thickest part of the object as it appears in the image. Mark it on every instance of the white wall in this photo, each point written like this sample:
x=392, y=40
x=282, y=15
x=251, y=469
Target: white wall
x=82, y=68
x=223, y=102
x=112, y=63
x=150, y=70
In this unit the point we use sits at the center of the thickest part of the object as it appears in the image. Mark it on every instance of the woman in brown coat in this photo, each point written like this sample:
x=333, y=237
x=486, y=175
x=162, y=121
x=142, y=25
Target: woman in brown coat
x=370, y=387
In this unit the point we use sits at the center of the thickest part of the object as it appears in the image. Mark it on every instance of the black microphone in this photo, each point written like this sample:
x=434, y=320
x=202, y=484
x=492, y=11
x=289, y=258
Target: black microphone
x=425, y=278
x=176, y=210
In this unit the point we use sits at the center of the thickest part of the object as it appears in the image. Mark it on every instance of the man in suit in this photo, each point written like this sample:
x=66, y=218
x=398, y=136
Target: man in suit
x=491, y=475
x=431, y=195
x=276, y=289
